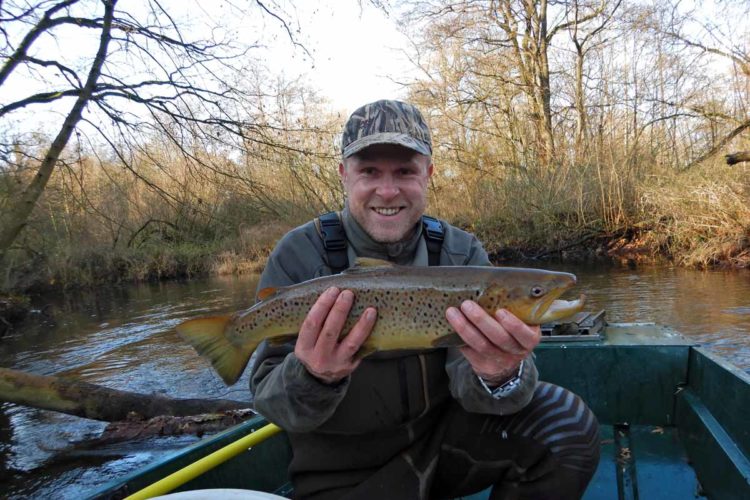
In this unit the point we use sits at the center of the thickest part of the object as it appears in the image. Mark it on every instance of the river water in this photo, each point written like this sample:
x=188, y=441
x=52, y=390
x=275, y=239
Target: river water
x=123, y=337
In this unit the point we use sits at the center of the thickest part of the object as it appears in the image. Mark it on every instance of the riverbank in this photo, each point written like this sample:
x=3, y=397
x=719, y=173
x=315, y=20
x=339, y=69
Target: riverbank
x=75, y=268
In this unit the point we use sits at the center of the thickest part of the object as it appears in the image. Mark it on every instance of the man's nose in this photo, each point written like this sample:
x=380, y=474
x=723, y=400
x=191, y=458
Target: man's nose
x=387, y=188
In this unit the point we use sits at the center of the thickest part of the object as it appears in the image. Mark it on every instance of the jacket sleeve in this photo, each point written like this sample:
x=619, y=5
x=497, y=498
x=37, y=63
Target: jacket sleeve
x=284, y=392
x=465, y=386
x=473, y=397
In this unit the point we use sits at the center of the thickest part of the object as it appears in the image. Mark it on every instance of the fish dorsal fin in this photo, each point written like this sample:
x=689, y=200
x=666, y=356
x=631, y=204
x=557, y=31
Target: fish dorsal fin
x=264, y=293
x=371, y=262
x=368, y=263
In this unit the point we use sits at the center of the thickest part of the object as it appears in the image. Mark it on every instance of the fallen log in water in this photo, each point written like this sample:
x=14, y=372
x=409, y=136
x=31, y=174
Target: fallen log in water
x=166, y=425
x=96, y=402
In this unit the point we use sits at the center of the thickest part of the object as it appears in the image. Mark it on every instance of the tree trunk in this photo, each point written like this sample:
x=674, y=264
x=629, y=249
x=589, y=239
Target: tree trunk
x=96, y=402
x=737, y=157
x=719, y=145
x=199, y=425
x=545, y=92
x=580, y=106
x=15, y=219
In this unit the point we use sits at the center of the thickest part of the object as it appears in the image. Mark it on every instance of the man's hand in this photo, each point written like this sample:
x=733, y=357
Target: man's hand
x=318, y=346
x=495, y=346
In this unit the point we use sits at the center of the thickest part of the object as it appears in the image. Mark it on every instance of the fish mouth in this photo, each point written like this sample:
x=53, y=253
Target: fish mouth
x=559, y=309
x=552, y=309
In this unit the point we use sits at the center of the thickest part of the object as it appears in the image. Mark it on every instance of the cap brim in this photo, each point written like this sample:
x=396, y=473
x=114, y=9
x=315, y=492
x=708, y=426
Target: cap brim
x=396, y=138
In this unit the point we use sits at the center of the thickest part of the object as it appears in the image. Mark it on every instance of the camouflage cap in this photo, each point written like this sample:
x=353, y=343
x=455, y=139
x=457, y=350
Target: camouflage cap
x=386, y=122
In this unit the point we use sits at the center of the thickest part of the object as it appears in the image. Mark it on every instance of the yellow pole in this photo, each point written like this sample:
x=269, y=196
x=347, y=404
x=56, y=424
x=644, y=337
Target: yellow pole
x=182, y=476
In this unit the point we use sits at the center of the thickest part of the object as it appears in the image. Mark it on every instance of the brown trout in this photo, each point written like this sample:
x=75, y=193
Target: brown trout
x=411, y=304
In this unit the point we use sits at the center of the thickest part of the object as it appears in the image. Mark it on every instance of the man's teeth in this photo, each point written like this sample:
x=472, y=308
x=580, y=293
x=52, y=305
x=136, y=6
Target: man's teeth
x=387, y=211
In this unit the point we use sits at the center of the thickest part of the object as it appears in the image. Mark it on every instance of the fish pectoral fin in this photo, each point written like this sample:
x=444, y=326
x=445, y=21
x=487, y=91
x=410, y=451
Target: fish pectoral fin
x=207, y=336
x=450, y=340
x=279, y=340
x=364, y=351
x=368, y=263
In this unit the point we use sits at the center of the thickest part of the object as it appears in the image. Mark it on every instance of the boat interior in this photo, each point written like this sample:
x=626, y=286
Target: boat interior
x=673, y=419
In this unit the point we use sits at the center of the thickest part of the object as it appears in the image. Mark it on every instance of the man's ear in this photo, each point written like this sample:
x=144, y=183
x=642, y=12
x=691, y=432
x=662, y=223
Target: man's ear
x=342, y=170
x=430, y=169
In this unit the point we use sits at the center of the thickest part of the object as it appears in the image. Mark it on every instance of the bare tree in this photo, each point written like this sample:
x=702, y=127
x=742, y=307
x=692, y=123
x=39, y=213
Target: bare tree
x=583, y=39
x=151, y=75
x=511, y=41
x=715, y=42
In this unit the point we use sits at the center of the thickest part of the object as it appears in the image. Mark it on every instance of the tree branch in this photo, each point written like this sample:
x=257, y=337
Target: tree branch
x=719, y=145
x=44, y=24
x=16, y=220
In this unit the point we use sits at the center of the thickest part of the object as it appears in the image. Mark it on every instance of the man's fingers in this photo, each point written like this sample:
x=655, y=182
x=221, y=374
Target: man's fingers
x=334, y=323
x=351, y=344
x=526, y=336
x=311, y=327
x=491, y=328
x=468, y=332
x=330, y=360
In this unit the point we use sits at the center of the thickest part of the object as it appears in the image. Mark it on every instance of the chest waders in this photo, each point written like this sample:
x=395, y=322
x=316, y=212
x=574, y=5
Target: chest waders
x=331, y=230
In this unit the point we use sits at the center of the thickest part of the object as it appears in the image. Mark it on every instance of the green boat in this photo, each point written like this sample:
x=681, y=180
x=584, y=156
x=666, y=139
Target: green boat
x=674, y=422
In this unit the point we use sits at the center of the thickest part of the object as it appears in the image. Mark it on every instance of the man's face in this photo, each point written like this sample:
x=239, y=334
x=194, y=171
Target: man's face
x=386, y=186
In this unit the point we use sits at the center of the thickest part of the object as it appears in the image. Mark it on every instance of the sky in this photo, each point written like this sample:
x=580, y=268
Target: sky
x=354, y=51
x=357, y=52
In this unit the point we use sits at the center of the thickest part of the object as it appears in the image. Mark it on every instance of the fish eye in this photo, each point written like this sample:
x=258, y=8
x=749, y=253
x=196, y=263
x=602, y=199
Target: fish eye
x=537, y=291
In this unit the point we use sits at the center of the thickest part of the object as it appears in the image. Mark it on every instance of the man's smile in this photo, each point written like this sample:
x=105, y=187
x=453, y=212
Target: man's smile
x=389, y=211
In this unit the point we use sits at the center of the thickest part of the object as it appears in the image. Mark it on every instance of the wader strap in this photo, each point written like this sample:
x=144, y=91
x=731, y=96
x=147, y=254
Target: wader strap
x=334, y=241
x=434, y=234
x=331, y=230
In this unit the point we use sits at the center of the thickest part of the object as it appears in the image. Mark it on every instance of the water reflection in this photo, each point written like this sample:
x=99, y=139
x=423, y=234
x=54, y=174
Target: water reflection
x=123, y=337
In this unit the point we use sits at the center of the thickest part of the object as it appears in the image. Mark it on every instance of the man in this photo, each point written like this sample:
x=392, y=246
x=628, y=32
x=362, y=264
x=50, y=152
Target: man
x=411, y=424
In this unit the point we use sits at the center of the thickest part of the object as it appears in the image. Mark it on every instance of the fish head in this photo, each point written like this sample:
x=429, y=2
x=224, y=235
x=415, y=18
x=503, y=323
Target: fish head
x=532, y=295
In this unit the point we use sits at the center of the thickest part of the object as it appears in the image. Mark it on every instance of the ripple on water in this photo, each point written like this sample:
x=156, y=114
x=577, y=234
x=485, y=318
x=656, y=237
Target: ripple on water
x=742, y=310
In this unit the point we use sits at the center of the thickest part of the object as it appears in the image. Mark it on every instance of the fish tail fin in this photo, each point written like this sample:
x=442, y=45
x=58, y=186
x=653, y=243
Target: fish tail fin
x=206, y=335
